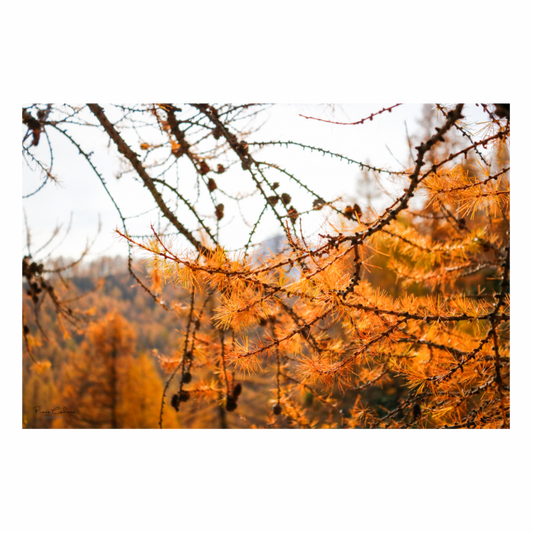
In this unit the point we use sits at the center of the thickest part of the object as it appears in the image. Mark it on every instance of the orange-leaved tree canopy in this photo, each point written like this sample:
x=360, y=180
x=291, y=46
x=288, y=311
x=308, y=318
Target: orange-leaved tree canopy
x=390, y=310
x=106, y=385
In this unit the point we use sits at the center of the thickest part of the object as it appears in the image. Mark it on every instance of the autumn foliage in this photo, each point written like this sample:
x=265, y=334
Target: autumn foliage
x=385, y=318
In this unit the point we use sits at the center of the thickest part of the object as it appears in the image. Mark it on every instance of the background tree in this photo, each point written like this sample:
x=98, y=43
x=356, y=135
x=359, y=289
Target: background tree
x=393, y=317
x=105, y=385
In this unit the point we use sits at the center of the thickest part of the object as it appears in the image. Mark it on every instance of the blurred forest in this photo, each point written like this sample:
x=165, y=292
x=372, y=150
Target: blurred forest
x=126, y=326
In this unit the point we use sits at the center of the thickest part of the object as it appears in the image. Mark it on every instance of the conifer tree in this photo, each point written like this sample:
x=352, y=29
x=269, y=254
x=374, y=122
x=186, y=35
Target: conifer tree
x=105, y=385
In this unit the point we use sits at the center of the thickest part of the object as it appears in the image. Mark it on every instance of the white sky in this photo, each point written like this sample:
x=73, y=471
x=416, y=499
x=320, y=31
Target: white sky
x=82, y=195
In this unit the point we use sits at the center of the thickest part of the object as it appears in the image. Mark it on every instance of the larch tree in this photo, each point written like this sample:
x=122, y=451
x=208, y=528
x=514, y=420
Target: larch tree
x=105, y=385
x=395, y=317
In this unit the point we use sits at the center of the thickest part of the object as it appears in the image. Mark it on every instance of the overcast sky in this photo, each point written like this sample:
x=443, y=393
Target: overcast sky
x=381, y=142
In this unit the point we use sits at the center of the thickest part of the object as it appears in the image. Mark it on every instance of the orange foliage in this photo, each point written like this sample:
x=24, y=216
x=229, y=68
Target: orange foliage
x=105, y=385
